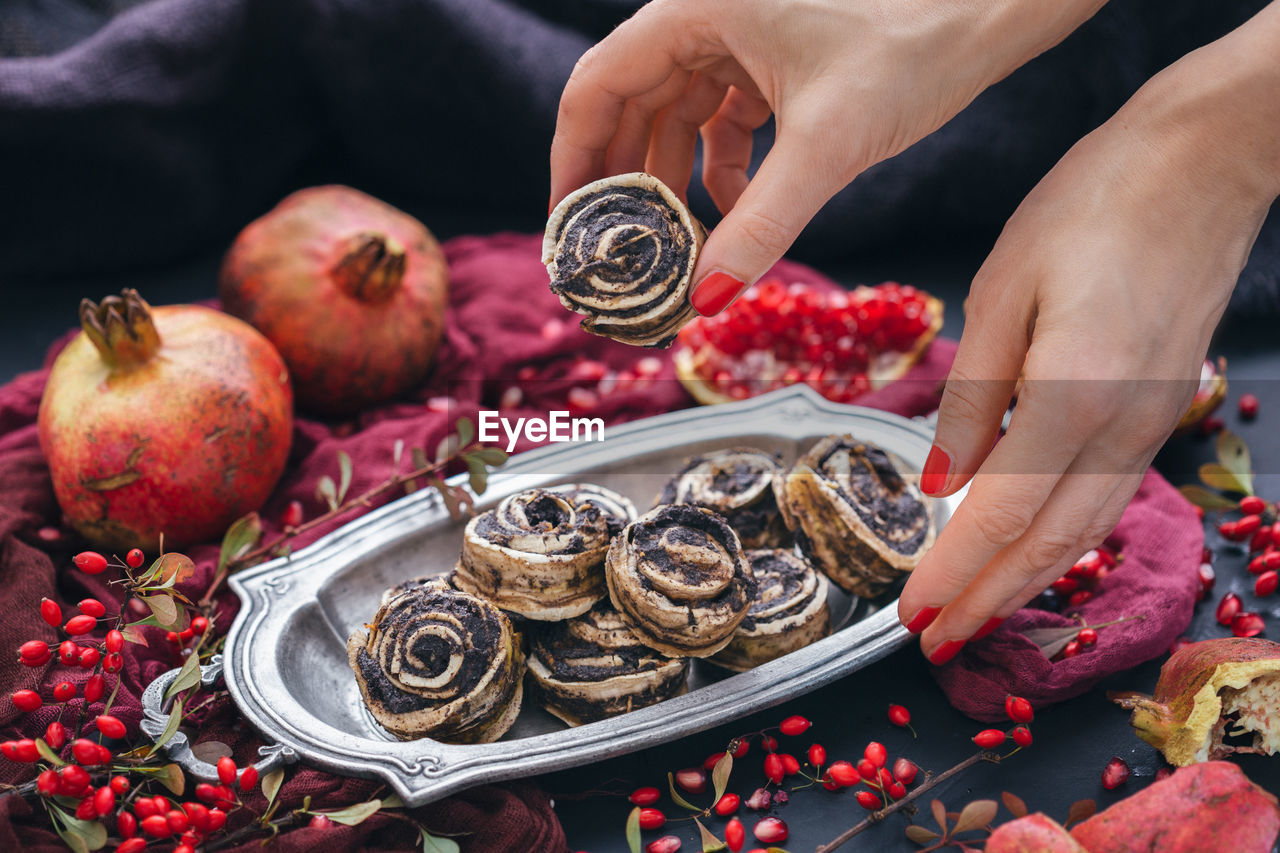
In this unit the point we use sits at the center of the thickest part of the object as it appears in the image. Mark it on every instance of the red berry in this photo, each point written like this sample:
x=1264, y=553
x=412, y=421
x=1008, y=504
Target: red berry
x=185, y=635
x=171, y=637
x=1248, y=625
x=735, y=835
x=897, y=790
x=876, y=754
x=1266, y=583
x=249, y=779
x=905, y=770
x=712, y=760
x=989, y=738
x=199, y=625
x=72, y=780
x=1087, y=637
x=207, y=793
x=1271, y=560
x=225, y=797
x=132, y=845
x=743, y=746
x=899, y=715
x=1022, y=736
x=794, y=725
x=1115, y=774
x=89, y=658
x=177, y=820
x=111, y=663
x=770, y=830
x=1252, y=505
x=146, y=807
x=85, y=752
x=104, y=800
x=114, y=641
x=56, y=735
x=162, y=804
x=1071, y=649
x=790, y=765
x=1228, y=530
x=93, y=688
x=69, y=652
x=639, y=797
x=1079, y=597
x=651, y=818
x=1248, y=406
x=728, y=804
x=817, y=755
x=1065, y=585
x=867, y=800
x=92, y=607
x=768, y=743
x=773, y=768
x=320, y=821
x=217, y=818
x=47, y=782
x=81, y=624
x=830, y=784
x=25, y=751
x=198, y=815
x=33, y=650
x=1228, y=607
x=134, y=558
x=1018, y=709
x=87, y=810
x=126, y=824
x=226, y=770
x=692, y=779
x=156, y=826
x=292, y=515
x=110, y=726
x=843, y=773
x=665, y=844
x=866, y=769
x=184, y=848
x=1248, y=525
x=119, y=784
x=27, y=700
x=90, y=562
x=50, y=612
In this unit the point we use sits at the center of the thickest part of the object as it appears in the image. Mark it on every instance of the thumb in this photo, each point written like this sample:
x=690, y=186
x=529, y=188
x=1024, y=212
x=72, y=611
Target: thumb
x=786, y=192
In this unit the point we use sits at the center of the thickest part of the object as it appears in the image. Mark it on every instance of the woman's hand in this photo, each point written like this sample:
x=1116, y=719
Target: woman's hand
x=1103, y=290
x=851, y=82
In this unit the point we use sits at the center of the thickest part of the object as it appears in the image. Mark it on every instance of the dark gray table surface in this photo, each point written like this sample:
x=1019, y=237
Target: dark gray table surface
x=1074, y=740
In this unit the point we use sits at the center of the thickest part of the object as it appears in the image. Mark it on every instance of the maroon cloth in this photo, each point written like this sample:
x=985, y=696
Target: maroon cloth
x=1161, y=539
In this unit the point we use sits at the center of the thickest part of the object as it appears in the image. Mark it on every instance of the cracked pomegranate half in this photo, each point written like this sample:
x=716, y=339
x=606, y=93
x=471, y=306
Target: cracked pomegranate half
x=1213, y=698
x=842, y=344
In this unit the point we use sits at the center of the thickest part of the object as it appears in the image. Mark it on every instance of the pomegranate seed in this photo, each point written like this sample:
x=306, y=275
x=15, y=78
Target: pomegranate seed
x=132, y=845
x=817, y=755
x=790, y=765
x=28, y=700
x=1071, y=649
x=665, y=844
x=774, y=770
x=1115, y=774
x=867, y=800
x=178, y=821
x=897, y=790
x=134, y=558
x=905, y=770
x=1022, y=736
x=735, y=835
x=56, y=735
x=1207, y=578
x=1228, y=607
x=1018, y=709
x=866, y=769
x=989, y=738
x=759, y=799
x=89, y=658
x=795, y=725
x=770, y=830
x=93, y=688
x=50, y=612
x=712, y=760
x=90, y=562
x=47, y=782
x=582, y=399
x=1248, y=406
x=876, y=754
x=651, y=818
x=84, y=751
x=768, y=743
x=692, y=779
x=1087, y=637
x=728, y=804
x=1248, y=625
x=843, y=773
x=110, y=726
x=119, y=784
x=104, y=800
x=319, y=821
x=1266, y=583
x=249, y=779
x=156, y=826
x=33, y=650
x=81, y=624
x=899, y=715
x=644, y=796
x=111, y=663
x=217, y=819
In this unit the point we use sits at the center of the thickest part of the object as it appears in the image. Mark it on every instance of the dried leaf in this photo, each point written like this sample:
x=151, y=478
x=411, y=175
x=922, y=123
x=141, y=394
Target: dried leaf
x=447, y=448
x=1205, y=499
x=920, y=835
x=940, y=814
x=1233, y=453
x=710, y=844
x=633, y=830
x=976, y=815
x=492, y=456
x=1217, y=477
x=344, y=475
x=466, y=431
x=171, y=777
x=164, y=609
x=720, y=774
x=171, y=727
x=434, y=844
x=133, y=635
x=240, y=537
x=271, y=784
x=326, y=491
x=210, y=751
x=1014, y=804
x=1050, y=641
x=1081, y=810
x=675, y=795
x=419, y=457
x=392, y=801
x=188, y=677
x=479, y=474
x=354, y=815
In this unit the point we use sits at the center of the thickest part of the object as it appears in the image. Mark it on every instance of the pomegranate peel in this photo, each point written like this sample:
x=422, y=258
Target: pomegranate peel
x=1205, y=688
x=1209, y=395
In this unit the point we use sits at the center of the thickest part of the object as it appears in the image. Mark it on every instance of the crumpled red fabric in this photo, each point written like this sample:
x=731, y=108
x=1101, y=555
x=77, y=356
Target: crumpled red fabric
x=504, y=330
x=1161, y=538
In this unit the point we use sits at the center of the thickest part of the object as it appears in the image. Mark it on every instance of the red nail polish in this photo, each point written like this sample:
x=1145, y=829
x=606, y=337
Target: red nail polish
x=714, y=293
x=937, y=467
x=990, y=625
x=946, y=652
x=923, y=619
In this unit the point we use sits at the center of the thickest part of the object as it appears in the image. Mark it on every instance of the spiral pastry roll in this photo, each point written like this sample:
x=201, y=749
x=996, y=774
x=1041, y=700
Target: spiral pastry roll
x=439, y=663
x=539, y=554
x=444, y=581
x=789, y=611
x=680, y=580
x=617, y=510
x=592, y=667
x=621, y=251
x=738, y=484
x=855, y=516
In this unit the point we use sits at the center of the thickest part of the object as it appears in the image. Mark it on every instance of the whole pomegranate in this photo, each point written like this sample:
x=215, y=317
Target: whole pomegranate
x=351, y=291
x=174, y=420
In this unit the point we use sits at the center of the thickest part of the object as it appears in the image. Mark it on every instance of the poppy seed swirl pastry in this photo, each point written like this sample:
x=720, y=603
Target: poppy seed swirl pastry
x=622, y=250
x=855, y=516
x=444, y=581
x=439, y=663
x=539, y=553
x=592, y=667
x=789, y=611
x=680, y=580
x=738, y=484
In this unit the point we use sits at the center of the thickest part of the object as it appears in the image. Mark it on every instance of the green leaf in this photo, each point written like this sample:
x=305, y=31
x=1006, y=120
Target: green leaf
x=170, y=728
x=1080, y=810
x=326, y=491
x=165, y=610
x=1014, y=804
x=675, y=795
x=240, y=537
x=1217, y=477
x=434, y=844
x=920, y=835
x=633, y=830
x=492, y=455
x=392, y=801
x=80, y=835
x=466, y=431
x=1233, y=453
x=419, y=457
x=1205, y=499
x=355, y=815
x=188, y=677
x=48, y=754
x=447, y=448
x=133, y=635
x=344, y=475
x=479, y=475
x=720, y=774
x=710, y=844
x=976, y=815
x=271, y=784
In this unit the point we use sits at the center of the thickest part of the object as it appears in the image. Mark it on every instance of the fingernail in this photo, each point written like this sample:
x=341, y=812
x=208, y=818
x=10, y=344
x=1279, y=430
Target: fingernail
x=937, y=468
x=990, y=625
x=945, y=652
x=714, y=293
x=923, y=619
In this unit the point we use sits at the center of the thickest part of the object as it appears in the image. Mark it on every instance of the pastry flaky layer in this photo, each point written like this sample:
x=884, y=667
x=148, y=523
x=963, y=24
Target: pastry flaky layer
x=540, y=552
x=737, y=483
x=856, y=517
x=789, y=611
x=439, y=663
x=680, y=580
x=622, y=251
x=593, y=666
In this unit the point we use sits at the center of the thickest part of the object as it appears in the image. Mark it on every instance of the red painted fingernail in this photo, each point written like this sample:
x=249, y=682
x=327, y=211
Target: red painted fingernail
x=550, y=206
x=937, y=468
x=923, y=619
x=714, y=293
x=945, y=652
x=989, y=626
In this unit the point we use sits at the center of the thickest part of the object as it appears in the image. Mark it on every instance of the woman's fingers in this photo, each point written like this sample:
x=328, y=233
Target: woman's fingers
x=674, y=140
x=727, y=138
x=630, y=144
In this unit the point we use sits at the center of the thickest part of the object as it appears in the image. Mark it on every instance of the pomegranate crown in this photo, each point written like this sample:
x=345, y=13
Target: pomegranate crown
x=371, y=266
x=120, y=328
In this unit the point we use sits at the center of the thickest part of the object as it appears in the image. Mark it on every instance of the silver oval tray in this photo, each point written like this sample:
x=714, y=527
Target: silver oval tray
x=285, y=657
